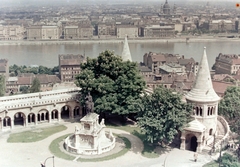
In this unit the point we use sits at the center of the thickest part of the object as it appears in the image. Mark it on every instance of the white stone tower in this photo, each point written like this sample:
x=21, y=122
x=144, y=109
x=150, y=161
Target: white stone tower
x=126, y=54
x=205, y=110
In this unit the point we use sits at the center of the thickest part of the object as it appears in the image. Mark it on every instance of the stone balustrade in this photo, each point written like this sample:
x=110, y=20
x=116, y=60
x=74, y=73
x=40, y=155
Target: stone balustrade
x=227, y=131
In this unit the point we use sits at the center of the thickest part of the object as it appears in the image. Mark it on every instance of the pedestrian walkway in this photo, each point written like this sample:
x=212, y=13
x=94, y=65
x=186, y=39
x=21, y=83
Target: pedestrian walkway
x=31, y=154
x=184, y=158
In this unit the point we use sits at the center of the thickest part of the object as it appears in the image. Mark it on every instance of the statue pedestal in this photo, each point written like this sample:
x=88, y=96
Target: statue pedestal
x=90, y=138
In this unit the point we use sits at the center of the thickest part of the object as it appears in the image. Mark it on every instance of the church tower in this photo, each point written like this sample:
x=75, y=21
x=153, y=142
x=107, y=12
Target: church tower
x=126, y=54
x=205, y=110
x=166, y=8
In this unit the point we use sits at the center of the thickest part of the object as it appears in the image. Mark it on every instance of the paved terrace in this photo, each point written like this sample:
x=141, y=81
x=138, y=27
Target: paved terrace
x=31, y=154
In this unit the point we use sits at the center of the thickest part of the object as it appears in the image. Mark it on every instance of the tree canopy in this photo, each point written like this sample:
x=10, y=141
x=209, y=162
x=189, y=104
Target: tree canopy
x=2, y=85
x=114, y=84
x=36, y=86
x=229, y=107
x=228, y=160
x=162, y=114
x=15, y=70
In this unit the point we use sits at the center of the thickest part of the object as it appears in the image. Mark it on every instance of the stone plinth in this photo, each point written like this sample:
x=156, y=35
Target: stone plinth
x=90, y=137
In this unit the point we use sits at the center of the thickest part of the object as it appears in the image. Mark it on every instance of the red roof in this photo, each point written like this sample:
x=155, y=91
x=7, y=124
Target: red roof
x=220, y=87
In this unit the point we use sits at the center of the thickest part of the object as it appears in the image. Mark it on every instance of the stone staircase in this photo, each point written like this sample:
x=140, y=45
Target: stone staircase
x=221, y=132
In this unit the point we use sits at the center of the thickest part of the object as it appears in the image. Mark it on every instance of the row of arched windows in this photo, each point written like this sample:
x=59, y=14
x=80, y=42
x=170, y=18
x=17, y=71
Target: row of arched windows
x=199, y=111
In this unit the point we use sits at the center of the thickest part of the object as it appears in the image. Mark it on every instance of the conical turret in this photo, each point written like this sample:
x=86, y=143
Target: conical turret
x=202, y=90
x=126, y=55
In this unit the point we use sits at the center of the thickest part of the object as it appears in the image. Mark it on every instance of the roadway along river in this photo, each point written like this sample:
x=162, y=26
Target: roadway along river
x=47, y=55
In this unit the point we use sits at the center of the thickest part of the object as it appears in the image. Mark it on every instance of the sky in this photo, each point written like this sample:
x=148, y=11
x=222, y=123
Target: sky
x=41, y=2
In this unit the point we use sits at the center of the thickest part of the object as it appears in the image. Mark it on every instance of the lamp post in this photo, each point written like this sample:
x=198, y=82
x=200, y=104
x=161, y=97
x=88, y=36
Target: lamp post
x=44, y=164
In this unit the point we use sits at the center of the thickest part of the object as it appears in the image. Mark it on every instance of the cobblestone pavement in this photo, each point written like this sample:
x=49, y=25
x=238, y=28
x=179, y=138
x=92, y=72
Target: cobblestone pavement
x=31, y=154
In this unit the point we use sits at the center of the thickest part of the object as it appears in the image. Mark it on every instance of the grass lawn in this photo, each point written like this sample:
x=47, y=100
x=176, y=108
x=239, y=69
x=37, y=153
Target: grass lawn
x=148, y=150
x=211, y=164
x=55, y=149
x=34, y=135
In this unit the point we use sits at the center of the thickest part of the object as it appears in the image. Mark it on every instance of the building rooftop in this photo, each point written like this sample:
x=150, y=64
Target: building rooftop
x=195, y=126
x=71, y=59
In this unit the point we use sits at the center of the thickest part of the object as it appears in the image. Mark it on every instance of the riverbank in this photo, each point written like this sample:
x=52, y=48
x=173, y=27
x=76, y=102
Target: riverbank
x=185, y=39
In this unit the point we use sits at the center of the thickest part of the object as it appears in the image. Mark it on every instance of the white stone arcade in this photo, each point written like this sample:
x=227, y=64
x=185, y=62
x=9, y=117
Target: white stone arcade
x=90, y=137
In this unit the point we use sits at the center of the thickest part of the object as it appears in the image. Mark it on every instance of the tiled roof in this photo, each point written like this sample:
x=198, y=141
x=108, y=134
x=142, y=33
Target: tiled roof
x=24, y=80
x=195, y=126
x=186, y=61
x=221, y=87
x=158, y=57
x=70, y=59
x=143, y=68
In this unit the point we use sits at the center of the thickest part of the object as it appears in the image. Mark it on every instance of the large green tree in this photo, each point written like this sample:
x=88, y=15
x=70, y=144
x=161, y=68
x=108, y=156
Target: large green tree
x=162, y=114
x=36, y=86
x=229, y=107
x=2, y=85
x=115, y=85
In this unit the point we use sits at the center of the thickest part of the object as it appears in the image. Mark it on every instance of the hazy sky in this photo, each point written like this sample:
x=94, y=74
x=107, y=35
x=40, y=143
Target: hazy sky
x=41, y=2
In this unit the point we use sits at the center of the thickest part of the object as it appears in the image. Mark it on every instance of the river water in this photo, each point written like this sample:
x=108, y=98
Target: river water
x=47, y=55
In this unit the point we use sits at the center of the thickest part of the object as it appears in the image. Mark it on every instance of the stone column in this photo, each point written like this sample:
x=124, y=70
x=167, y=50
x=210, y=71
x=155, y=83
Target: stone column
x=53, y=114
x=182, y=146
x=26, y=121
x=49, y=117
x=36, y=119
x=12, y=123
x=59, y=115
x=1, y=123
x=71, y=113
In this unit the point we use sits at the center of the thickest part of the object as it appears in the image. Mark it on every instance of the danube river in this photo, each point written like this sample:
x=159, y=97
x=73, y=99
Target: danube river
x=47, y=55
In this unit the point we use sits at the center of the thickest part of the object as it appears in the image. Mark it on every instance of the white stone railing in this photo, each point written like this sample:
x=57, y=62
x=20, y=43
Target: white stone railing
x=36, y=99
x=88, y=151
x=227, y=131
x=31, y=96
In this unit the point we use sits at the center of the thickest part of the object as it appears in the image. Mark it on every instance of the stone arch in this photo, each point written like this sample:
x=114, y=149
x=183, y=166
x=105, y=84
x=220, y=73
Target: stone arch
x=210, y=132
x=54, y=114
x=43, y=116
x=65, y=112
x=191, y=142
x=193, y=145
x=200, y=111
x=211, y=111
x=197, y=110
x=19, y=118
x=7, y=121
x=208, y=112
x=77, y=111
x=31, y=118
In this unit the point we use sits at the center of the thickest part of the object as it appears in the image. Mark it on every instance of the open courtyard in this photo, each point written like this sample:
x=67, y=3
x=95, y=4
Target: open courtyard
x=33, y=153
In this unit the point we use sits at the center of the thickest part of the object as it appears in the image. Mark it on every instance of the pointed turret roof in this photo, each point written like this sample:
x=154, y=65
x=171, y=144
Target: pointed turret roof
x=126, y=55
x=202, y=90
